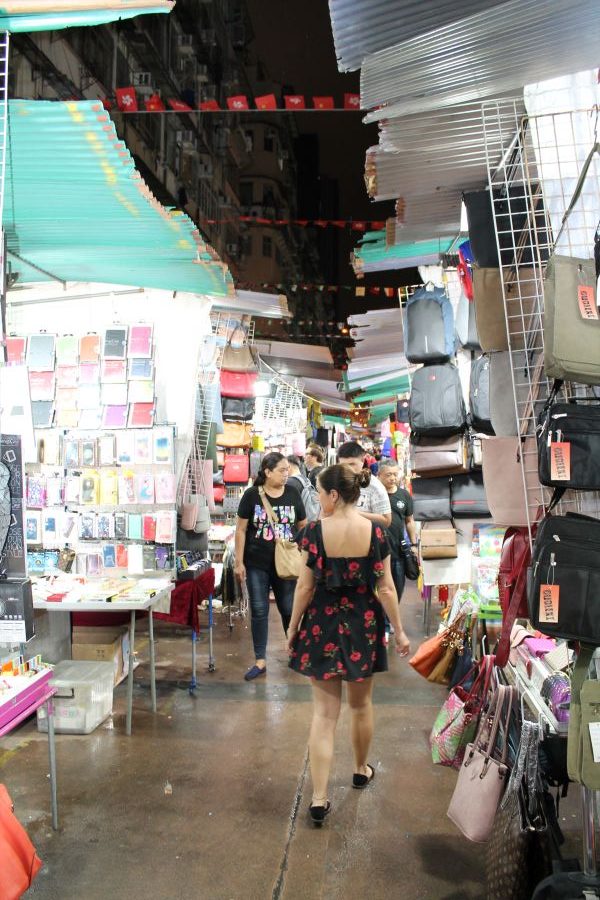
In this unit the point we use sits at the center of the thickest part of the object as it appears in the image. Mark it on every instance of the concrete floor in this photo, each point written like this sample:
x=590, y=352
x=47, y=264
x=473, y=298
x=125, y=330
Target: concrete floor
x=234, y=825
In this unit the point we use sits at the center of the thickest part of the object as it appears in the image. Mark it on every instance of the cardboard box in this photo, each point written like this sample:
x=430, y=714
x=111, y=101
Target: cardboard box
x=438, y=540
x=102, y=645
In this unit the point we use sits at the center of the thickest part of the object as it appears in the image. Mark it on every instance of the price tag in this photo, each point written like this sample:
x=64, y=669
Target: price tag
x=549, y=597
x=560, y=461
x=586, y=297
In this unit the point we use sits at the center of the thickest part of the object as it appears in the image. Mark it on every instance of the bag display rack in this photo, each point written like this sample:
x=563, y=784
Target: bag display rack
x=542, y=158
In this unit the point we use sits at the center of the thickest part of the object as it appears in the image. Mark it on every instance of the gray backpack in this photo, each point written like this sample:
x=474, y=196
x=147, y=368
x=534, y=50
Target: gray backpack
x=466, y=326
x=479, y=395
x=310, y=498
x=437, y=407
x=429, y=328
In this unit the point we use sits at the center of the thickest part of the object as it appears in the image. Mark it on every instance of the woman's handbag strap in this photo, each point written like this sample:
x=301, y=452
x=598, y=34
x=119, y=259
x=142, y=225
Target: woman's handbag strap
x=578, y=189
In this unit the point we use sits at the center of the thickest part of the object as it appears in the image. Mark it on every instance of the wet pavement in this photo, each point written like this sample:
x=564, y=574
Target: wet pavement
x=209, y=797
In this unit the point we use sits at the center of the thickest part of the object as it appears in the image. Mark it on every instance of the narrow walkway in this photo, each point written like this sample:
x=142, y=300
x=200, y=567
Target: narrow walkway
x=234, y=825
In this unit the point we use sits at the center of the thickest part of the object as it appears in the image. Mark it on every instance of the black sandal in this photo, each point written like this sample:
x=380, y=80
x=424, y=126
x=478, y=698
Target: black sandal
x=318, y=813
x=361, y=781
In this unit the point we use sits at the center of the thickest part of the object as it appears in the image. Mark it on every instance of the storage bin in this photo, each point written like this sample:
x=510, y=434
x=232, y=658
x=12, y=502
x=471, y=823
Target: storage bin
x=83, y=699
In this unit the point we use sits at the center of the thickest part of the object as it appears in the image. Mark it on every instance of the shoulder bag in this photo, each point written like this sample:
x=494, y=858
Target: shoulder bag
x=568, y=438
x=440, y=456
x=571, y=323
x=235, y=434
x=19, y=863
x=288, y=560
x=237, y=384
x=434, y=649
x=238, y=359
x=237, y=410
x=482, y=777
x=584, y=710
x=236, y=468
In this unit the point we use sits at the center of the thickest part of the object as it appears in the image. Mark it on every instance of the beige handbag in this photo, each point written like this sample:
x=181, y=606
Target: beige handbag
x=238, y=359
x=521, y=297
x=503, y=479
x=288, y=560
x=235, y=434
x=440, y=456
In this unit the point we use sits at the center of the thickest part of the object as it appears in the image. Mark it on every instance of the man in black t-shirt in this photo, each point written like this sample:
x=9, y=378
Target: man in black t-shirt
x=402, y=520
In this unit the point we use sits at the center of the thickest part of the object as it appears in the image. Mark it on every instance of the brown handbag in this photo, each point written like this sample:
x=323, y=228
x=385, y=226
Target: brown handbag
x=440, y=456
x=521, y=297
x=235, y=434
x=433, y=650
x=238, y=359
x=503, y=479
x=288, y=559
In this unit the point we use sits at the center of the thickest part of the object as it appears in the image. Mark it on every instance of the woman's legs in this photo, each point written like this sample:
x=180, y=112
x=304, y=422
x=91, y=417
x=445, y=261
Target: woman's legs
x=284, y=597
x=360, y=695
x=258, y=583
x=327, y=700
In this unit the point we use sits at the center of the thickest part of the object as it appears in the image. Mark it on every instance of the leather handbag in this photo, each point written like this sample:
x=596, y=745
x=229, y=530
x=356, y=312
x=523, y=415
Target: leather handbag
x=571, y=322
x=440, y=456
x=468, y=500
x=237, y=410
x=19, y=863
x=236, y=468
x=515, y=557
x=568, y=437
x=564, y=582
x=482, y=777
x=585, y=709
x=235, y=434
x=238, y=359
x=189, y=514
x=411, y=564
x=288, y=559
x=507, y=497
x=237, y=384
x=520, y=298
x=219, y=493
x=433, y=650
x=519, y=853
x=458, y=719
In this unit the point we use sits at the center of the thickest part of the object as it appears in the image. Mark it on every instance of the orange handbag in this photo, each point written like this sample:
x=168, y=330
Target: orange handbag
x=19, y=863
x=434, y=649
x=235, y=434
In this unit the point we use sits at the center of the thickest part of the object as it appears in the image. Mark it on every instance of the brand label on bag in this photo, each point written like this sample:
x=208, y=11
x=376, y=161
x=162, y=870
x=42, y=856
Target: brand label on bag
x=560, y=461
x=549, y=598
x=595, y=739
x=586, y=297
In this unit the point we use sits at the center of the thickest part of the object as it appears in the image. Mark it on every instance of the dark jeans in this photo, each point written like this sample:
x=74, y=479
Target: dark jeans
x=398, y=576
x=259, y=582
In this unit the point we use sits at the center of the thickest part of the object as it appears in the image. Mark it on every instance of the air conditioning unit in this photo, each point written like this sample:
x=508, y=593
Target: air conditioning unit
x=141, y=79
x=232, y=249
x=186, y=139
x=185, y=43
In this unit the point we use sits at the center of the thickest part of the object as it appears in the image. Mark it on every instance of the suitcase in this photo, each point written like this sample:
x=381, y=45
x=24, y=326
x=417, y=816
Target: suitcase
x=437, y=408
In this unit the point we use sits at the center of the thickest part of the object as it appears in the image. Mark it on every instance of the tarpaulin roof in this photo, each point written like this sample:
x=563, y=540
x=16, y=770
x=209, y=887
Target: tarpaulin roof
x=45, y=15
x=76, y=209
x=373, y=254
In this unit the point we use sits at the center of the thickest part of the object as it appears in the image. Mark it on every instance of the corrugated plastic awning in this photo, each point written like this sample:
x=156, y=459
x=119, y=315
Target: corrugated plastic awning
x=482, y=55
x=361, y=27
x=76, y=209
x=373, y=254
x=46, y=15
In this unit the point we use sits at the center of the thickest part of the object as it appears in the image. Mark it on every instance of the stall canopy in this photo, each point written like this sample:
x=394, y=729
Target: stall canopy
x=374, y=254
x=76, y=209
x=46, y=15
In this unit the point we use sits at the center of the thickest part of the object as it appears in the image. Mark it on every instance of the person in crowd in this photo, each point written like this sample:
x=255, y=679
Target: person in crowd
x=297, y=479
x=255, y=549
x=402, y=520
x=336, y=632
x=314, y=460
x=374, y=502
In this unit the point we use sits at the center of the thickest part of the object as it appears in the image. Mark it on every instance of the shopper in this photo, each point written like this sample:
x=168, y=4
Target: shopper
x=402, y=523
x=310, y=497
x=314, y=460
x=374, y=503
x=255, y=550
x=336, y=632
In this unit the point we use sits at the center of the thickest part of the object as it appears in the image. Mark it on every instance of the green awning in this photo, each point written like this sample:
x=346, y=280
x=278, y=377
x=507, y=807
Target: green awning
x=76, y=209
x=374, y=254
x=46, y=15
x=379, y=413
x=381, y=391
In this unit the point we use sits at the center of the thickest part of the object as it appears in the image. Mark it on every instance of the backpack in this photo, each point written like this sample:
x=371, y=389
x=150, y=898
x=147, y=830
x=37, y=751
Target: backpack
x=310, y=498
x=479, y=395
x=429, y=333
x=437, y=408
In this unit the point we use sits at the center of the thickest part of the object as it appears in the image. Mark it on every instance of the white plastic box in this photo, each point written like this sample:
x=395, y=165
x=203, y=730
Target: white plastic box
x=83, y=699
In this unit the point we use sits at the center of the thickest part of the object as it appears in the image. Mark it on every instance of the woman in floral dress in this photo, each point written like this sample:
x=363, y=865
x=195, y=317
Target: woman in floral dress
x=337, y=629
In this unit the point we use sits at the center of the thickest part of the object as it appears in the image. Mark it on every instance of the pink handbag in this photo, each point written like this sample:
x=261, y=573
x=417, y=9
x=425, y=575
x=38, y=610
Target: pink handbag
x=237, y=384
x=482, y=778
x=503, y=479
x=457, y=721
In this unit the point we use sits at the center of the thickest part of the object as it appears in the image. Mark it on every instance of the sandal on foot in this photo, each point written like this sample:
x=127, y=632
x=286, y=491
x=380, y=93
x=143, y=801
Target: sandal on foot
x=361, y=781
x=254, y=672
x=318, y=813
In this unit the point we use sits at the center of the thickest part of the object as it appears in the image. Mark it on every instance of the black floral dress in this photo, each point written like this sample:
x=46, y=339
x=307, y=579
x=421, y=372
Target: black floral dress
x=342, y=632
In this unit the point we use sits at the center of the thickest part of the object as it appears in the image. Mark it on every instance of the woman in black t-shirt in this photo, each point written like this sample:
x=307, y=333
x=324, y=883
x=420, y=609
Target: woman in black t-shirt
x=255, y=550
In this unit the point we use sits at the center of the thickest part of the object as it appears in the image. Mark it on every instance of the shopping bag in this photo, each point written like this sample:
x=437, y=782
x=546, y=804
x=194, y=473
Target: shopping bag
x=457, y=721
x=19, y=863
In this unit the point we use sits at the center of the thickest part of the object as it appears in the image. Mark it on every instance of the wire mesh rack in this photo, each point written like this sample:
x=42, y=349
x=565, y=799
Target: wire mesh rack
x=531, y=188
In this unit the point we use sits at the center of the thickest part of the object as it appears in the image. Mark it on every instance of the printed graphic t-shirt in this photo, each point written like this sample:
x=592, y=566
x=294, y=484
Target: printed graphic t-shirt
x=288, y=510
x=402, y=508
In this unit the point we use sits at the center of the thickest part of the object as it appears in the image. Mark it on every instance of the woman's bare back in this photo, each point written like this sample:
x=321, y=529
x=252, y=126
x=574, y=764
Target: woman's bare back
x=347, y=536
